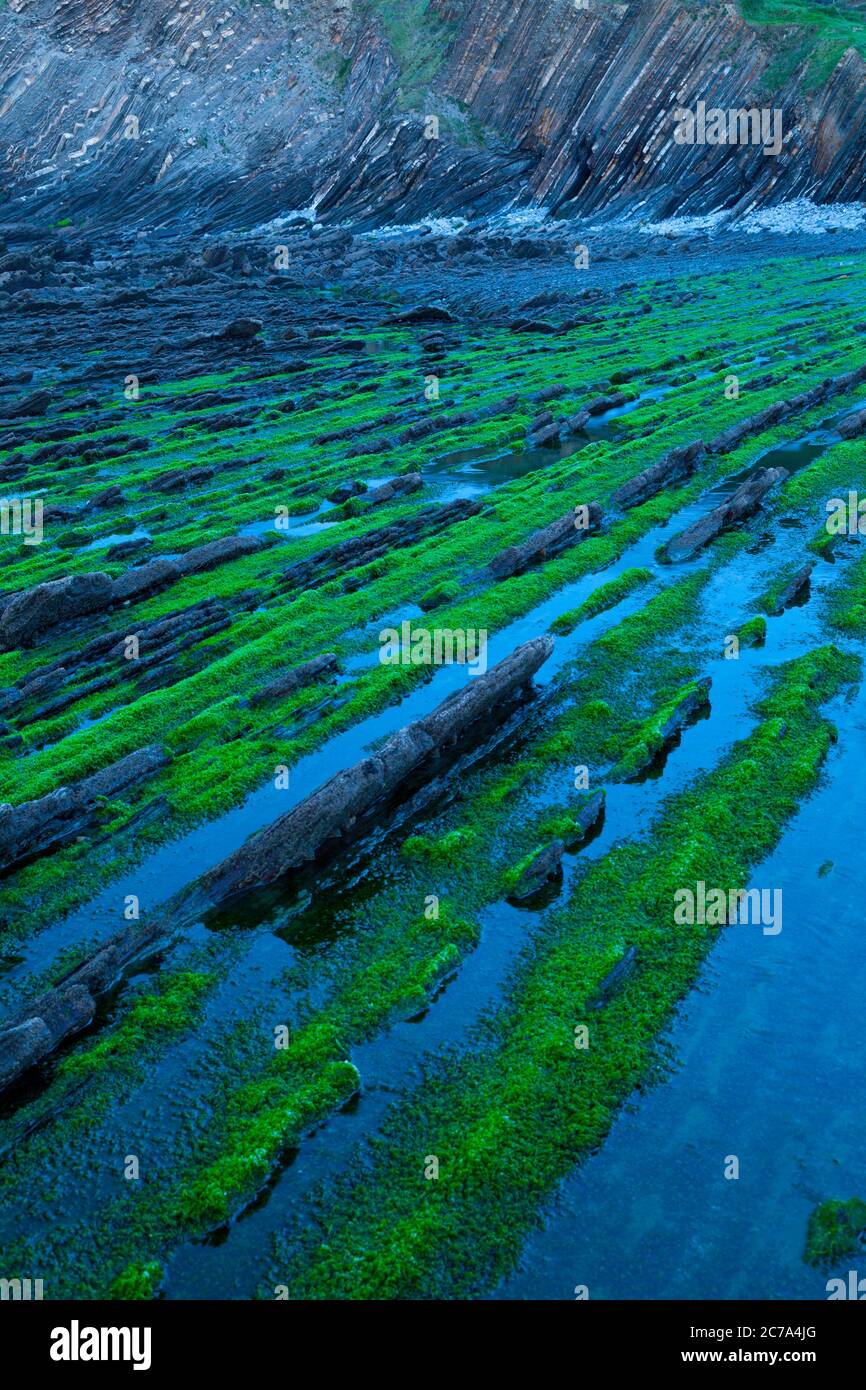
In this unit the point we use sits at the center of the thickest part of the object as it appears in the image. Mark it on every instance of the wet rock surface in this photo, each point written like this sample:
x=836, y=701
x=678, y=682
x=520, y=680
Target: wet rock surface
x=309, y=459
x=27, y=615
x=796, y=590
x=293, y=840
x=586, y=817
x=664, y=732
x=550, y=540
x=742, y=505
x=320, y=668
x=363, y=550
x=544, y=869
x=33, y=826
x=673, y=468
x=296, y=838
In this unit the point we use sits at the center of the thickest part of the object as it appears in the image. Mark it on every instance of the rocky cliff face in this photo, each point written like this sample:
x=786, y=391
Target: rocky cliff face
x=141, y=112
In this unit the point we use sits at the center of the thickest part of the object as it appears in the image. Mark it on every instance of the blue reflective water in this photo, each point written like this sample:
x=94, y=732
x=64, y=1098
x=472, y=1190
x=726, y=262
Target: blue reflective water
x=769, y=1067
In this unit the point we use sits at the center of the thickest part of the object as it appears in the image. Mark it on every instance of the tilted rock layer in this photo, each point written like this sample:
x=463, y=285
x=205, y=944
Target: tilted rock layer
x=235, y=113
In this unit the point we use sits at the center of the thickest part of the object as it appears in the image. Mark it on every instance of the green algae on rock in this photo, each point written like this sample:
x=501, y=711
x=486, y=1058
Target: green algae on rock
x=837, y=1229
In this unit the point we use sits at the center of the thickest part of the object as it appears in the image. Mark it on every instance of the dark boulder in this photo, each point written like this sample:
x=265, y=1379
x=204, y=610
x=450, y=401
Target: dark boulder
x=36, y=403
x=145, y=579
x=36, y=610
x=242, y=330
x=422, y=313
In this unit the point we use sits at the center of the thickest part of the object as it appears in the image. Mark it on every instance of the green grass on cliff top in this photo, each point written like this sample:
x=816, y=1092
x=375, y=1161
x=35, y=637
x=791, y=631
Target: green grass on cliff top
x=418, y=36
x=812, y=35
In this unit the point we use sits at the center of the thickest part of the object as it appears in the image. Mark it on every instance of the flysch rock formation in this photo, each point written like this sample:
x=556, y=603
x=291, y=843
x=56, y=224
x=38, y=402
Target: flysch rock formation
x=739, y=507
x=328, y=814
x=34, y=825
x=159, y=111
x=293, y=840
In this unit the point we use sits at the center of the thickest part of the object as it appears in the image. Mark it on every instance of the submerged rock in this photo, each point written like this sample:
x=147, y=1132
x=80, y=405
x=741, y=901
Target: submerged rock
x=742, y=505
x=837, y=1230
x=614, y=979
x=543, y=868
x=796, y=587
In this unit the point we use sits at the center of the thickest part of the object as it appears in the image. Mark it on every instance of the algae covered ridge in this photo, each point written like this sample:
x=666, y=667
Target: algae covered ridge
x=419, y=662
